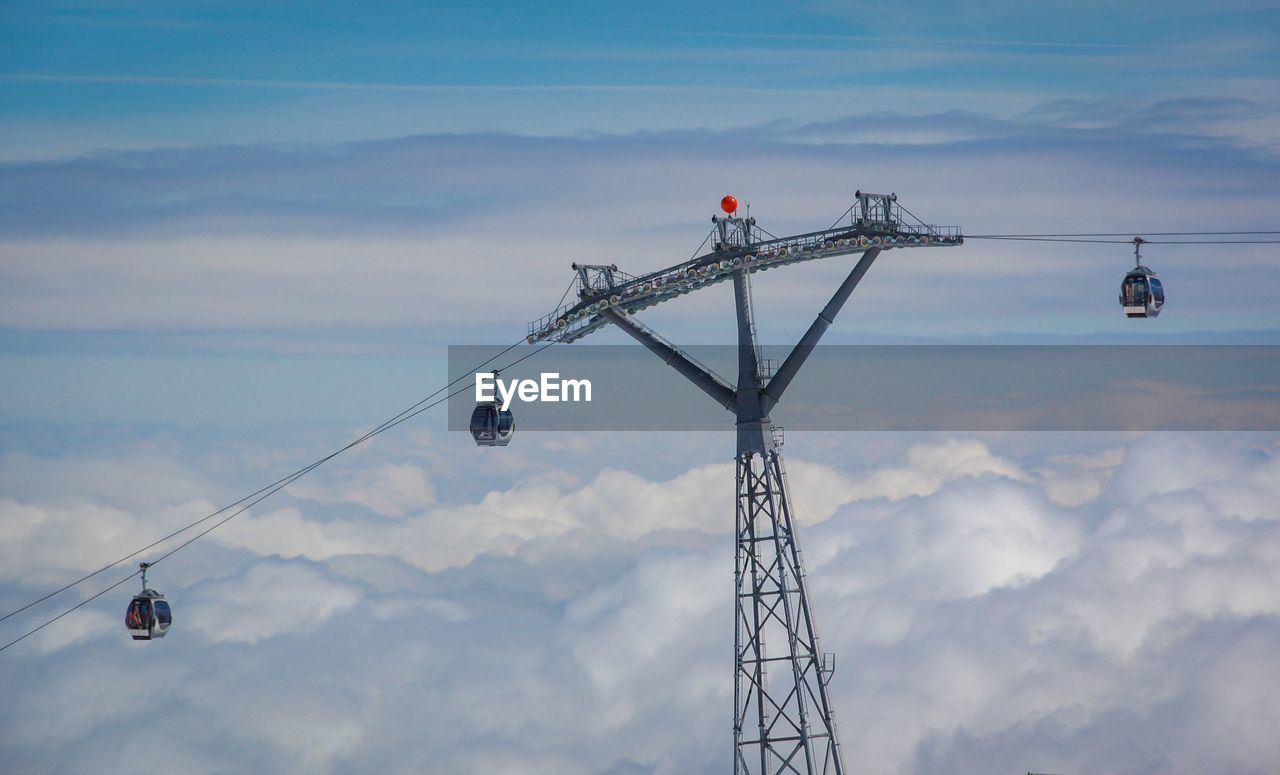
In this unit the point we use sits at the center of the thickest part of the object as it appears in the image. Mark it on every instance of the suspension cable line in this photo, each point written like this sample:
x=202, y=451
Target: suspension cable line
x=1124, y=234
x=1259, y=237
x=260, y=495
x=1126, y=241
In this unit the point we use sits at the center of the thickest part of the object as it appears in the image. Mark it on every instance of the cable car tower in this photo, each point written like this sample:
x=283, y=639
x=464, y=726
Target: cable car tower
x=782, y=718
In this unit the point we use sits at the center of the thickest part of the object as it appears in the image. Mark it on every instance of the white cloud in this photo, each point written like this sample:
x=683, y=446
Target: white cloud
x=77, y=628
x=615, y=503
x=389, y=490
x=44, y=543
x=1072, y=480
x=266, y=601
x=929, y=465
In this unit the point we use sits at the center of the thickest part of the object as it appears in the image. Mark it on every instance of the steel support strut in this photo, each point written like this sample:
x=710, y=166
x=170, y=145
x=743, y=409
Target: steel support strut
x=800, y=353
x=706, y=381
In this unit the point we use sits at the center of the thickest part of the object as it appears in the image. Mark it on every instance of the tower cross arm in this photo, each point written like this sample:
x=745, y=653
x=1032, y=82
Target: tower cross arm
x=709, y=383
x=800, y=353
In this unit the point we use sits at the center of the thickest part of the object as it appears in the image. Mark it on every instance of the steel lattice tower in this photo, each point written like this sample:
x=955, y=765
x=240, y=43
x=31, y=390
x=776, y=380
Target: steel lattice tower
x=782, y=718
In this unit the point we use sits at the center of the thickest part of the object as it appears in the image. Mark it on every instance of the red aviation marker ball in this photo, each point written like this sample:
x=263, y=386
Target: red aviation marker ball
x=729, y=204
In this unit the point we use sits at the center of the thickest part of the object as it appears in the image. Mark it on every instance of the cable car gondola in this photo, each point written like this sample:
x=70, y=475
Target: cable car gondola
x=148, y=615
x=492, y=426
x=1141, y=292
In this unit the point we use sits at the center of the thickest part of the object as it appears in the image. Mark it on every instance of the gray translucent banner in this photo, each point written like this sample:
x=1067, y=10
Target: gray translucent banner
x=903, y=388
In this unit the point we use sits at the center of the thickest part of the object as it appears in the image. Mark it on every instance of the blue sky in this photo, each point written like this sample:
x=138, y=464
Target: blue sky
x=233, y=235
x=86, y=75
